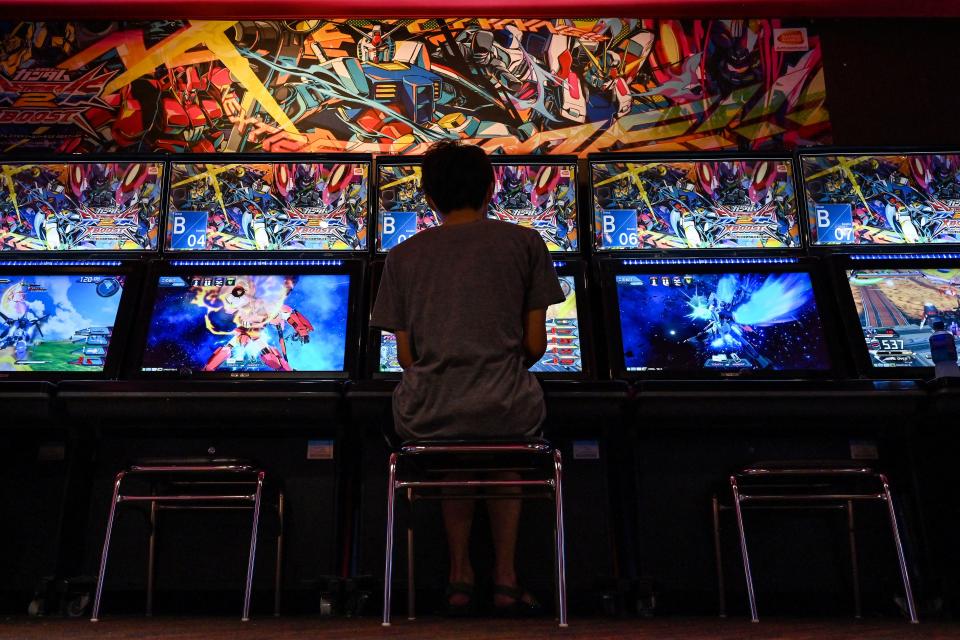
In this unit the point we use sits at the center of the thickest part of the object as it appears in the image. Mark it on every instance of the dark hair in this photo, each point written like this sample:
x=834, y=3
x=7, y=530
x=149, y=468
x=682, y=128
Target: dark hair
x=938, y=325
x=456, y=176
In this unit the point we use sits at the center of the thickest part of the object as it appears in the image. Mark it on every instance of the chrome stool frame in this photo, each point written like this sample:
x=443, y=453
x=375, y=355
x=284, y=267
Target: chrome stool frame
x=811, y=489
x=473, y=489
x=230, y=474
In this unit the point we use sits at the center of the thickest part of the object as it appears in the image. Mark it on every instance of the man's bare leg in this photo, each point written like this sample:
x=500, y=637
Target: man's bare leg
x=458, y=520
x=504, y=525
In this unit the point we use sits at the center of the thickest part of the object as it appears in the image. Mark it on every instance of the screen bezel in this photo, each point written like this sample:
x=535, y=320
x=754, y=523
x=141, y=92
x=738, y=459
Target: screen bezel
x=572, y=267
x=119, y=341
x=273, y=158
x=99, y=158
x=610, y=268
x=594, y=159
x=354, y=268
x=570, y=160
x=820, y=249
x=848, y=311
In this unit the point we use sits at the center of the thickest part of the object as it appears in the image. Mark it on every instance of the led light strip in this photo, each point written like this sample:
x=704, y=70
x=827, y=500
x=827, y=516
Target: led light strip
x=905, y=256
x=60, y=263
x=256, y=263
x=702, y=261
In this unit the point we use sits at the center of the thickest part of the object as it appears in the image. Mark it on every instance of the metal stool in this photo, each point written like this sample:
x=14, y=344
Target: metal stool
x=194, y=484
x=813, y=484
x=419, y=468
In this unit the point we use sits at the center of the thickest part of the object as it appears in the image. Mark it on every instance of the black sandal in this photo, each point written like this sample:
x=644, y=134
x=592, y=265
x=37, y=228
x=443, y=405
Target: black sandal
x=519, y=608
x=469, y=608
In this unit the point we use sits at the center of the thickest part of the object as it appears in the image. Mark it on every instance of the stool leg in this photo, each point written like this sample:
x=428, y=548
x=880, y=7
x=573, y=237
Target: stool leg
x=721, y=583
x=743, y=549
x=95, y=616
x=388, y=560
x=278, y=575
x=854, y=562
x=560, y=537
x=152, y=556
x=411, y=585
x=904, y=571
x=253, y=547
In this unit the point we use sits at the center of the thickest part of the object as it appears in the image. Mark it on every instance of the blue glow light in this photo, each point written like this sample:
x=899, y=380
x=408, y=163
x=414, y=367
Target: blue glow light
x=60, y=263
x=256, y=263
x=703, y=261
x=699, y=308
x=905, y=256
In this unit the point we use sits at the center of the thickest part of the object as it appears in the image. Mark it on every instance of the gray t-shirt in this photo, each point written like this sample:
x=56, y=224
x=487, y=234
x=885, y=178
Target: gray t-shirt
x=461, y=292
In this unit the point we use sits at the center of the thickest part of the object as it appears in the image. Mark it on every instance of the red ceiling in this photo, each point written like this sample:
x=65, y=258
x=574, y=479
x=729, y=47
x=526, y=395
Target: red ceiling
x=240, y=9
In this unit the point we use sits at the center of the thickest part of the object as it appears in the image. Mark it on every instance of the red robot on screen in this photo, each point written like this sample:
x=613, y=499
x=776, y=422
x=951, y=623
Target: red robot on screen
x=184, y=109
x=252, y=315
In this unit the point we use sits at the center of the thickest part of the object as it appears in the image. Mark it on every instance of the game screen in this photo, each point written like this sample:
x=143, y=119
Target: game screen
x=720, y=322
x=563, y=338
x=875, y=200
x=541, y=197
x=80, y=206
x=728, y=204
x=268, y=206
x=57, y=322
x=898, y=308
x=248, y=323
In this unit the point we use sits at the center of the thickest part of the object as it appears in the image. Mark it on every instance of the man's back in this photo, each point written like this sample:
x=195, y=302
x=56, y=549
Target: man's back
x=461, y=292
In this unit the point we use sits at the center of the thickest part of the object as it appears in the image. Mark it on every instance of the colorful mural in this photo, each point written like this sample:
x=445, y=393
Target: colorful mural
x=512, y=85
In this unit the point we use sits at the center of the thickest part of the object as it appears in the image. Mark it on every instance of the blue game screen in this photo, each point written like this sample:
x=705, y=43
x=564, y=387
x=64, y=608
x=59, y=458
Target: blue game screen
x=57, y=322
x=720, y=322
x=248, y=323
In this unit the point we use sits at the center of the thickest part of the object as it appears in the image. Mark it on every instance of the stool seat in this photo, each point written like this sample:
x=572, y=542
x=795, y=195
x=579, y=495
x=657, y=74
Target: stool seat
x=195, y=463
x=422, y=469
x=806, y=467
x=463, y=442
x=192, y=461
x=197, y=483
x=808, y=484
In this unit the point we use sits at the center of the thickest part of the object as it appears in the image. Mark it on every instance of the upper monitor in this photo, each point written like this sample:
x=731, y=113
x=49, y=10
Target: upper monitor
x=80, y=206
x=268, y=206
x=540, y=194
x=857, y=199
x=735, y=203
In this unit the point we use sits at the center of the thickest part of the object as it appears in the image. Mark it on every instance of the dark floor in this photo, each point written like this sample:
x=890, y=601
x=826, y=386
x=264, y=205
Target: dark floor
x=595, y=629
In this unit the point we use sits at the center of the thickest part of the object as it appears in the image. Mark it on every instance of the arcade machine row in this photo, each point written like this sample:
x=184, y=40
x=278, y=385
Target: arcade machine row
x=73, y=238
x=701, y=263
x=249, y=328
x=263, y=270
x=889, y=221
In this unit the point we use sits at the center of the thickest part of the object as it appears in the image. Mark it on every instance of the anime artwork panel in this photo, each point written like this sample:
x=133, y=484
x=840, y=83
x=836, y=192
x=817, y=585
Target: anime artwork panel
x=517, y=86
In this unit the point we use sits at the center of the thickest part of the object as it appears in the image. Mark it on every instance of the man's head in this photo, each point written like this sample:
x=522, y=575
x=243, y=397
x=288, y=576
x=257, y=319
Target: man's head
x=938, y=325
x=457, y=176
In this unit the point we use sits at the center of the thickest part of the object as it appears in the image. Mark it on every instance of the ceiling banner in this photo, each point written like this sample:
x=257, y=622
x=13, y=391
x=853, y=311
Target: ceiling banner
x=541, y=86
